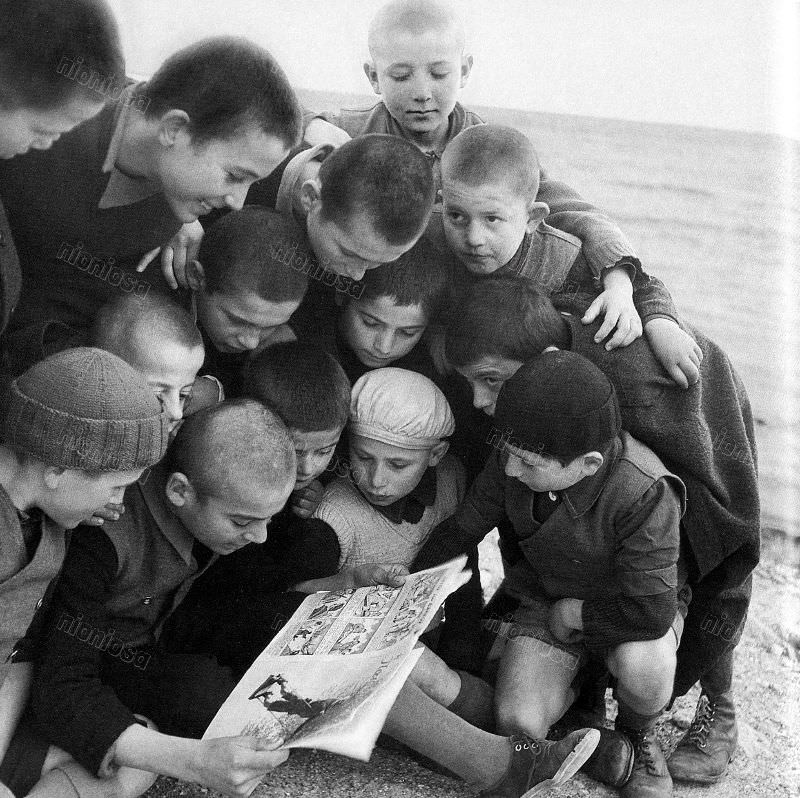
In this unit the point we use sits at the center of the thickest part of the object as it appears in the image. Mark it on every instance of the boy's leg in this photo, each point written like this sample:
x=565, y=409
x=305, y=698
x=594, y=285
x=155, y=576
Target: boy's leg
x=705, y=751
x=63, y=777
x=645, y=671
x=533, y=688
x=502, y=766
x=462, y=693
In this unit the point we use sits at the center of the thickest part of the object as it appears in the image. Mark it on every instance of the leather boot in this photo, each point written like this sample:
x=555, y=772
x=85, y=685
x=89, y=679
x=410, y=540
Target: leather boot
x=650, y=777
x=707, y=748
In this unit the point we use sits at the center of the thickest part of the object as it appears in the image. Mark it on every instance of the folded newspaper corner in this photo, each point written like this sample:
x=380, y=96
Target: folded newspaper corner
x=330, y=676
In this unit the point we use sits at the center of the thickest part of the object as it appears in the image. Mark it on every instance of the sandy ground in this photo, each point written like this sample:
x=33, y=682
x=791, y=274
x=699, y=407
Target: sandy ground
x=768, y=701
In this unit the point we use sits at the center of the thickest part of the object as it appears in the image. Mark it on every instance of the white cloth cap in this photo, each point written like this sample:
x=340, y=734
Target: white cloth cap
x=400, y=407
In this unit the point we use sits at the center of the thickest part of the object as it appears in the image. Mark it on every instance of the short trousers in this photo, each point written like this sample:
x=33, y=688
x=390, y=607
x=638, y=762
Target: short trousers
x=530, y=620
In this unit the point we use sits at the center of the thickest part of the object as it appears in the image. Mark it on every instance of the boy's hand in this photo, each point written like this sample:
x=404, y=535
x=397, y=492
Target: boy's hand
x=307, y=499
x=675, y=350
x=616, y=304
x=378, y=574
x=111, y=512
x=182, y=249
x=235, y=766
x=566, y=622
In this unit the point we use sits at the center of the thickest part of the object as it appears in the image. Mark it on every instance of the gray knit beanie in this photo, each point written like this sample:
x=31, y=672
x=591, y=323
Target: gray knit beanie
x=560, y=405
x=87, y=409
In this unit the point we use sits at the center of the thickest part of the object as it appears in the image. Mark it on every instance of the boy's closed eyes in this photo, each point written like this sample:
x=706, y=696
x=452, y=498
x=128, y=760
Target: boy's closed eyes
x=378, y=331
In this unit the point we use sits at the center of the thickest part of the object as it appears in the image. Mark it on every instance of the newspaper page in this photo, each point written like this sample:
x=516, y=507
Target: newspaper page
x=329, y=678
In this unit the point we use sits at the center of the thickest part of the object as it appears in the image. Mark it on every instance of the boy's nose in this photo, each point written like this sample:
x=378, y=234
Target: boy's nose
x=475, y=234
x=258, y=535
x=378, y=478
x=421, y=89
x=235, y=199
x=383, y=342
x=248, y=340
x=482, y=399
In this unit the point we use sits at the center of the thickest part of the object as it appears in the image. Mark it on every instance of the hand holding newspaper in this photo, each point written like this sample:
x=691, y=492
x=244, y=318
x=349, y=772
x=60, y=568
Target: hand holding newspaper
x=329, y=678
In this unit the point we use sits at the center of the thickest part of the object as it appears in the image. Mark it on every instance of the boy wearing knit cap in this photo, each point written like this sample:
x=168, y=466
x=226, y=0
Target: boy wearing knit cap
x=78, y=428
x=593, y=561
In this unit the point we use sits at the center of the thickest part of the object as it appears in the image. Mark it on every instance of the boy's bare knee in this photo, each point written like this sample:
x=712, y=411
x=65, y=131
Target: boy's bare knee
x=644, y=660
x=529, y=717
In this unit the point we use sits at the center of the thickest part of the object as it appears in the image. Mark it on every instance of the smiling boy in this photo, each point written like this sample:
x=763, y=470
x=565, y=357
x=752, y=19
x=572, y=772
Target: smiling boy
x=159, y=339
x=220, y=115
x=229, y=470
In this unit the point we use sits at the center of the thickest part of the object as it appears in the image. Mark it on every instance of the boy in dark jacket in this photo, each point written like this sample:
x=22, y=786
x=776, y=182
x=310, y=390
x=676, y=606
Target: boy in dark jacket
x=596, y=535
x=39, y=98
x=703, y=434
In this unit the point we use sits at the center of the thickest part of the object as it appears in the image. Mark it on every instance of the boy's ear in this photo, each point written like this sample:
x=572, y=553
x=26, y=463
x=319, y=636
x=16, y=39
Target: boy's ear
x=310, y=192
x=195, y=276
x=536, y=212
x=372, y=76
x=179, y=490
x=591, y=462
x=437, y=453
x=171, y=125
x=466, y=69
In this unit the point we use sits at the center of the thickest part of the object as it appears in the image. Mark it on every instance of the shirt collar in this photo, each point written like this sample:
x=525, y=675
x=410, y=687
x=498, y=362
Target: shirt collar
x=168, y=523
x=412, y=506
x=580, y=497
x=520, y=257
x=457, y=121
x=121, y=189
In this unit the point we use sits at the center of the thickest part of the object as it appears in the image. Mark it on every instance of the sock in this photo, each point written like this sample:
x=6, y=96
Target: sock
x=474, y=702
x=631, y=719
x=416, y=720
x=719, y=678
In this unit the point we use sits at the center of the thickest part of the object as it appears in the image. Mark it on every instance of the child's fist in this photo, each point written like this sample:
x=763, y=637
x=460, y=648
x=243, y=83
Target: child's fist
x=619, y=315
x=307, y=499
x=675, y=350
x=379, y=574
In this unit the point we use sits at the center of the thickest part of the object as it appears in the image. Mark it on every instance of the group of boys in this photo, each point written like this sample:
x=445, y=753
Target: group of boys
x=302, y=413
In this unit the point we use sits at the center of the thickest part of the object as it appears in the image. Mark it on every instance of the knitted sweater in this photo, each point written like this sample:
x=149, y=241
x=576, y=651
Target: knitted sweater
x=367, y=536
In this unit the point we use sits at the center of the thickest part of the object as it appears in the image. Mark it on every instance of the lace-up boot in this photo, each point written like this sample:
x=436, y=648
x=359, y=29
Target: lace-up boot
x=707, y=748
x=539, y=765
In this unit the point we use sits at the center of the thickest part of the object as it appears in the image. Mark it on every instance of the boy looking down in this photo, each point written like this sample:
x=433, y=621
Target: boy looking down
x=38, y=100
x=214, y=118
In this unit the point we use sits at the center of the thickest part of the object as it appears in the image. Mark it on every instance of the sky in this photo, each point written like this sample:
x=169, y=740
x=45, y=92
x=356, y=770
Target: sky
x=717, y=63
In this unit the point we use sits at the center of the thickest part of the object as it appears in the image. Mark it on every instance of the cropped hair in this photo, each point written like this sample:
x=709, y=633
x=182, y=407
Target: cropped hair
x=128, y=323
x=52, y=53
x=385, y=177
x=418, y=17
x=245, y=250
x=303, y=385
x=488, y=154
x=225, y=84
x=422, y=276
x=504, y=316
x=239, y=440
